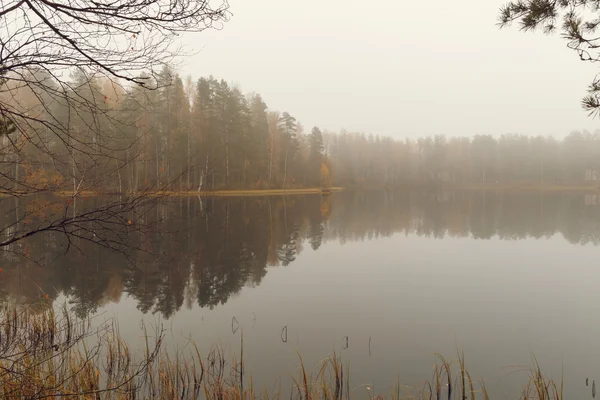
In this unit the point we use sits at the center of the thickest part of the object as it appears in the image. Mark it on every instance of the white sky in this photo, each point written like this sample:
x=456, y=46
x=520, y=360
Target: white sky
x=397, y=67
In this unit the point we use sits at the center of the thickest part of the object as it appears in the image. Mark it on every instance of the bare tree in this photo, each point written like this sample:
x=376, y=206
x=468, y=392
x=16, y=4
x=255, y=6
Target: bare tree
x=57, y=59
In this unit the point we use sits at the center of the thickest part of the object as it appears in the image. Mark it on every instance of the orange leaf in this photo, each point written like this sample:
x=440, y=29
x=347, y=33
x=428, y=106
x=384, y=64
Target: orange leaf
x=0, y=269
x=128, y=222
x=47, y=296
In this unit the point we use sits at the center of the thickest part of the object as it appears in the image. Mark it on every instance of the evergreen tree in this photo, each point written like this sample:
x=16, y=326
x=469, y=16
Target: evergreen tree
x=316, y=155
x=287, y=128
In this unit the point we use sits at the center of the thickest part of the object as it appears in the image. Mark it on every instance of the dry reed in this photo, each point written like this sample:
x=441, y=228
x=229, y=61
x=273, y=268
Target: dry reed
x=48, y=353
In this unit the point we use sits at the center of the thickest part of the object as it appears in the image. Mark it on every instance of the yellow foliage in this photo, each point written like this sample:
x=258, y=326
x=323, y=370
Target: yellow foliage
x=325, y=176
x=325, y=207
x=42, y=179
x=41, y=208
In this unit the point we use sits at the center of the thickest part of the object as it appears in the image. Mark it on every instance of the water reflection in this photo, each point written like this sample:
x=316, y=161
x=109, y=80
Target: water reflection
x=203, y=252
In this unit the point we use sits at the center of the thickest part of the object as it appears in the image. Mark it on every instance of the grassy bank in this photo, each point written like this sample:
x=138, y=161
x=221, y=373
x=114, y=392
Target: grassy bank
x=47, y=354
x=215, y=193
x=266, y=192
x=528, y=187
x=304, y=191
x=490, y=187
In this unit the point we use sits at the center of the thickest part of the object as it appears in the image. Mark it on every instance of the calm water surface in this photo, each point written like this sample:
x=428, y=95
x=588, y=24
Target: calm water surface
x=384, y=279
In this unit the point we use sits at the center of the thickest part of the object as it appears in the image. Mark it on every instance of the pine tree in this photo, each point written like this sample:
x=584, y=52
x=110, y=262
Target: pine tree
x=258, y=143
x=287, y=127
x=316, y=154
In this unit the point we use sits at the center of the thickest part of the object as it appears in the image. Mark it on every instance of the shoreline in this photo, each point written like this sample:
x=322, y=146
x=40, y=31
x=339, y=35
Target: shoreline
x=498, y=187
x=215, y=193
x=526, y=188
x=337, y=189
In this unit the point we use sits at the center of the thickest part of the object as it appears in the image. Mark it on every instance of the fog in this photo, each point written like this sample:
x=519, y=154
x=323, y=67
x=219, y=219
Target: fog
x=397, y=68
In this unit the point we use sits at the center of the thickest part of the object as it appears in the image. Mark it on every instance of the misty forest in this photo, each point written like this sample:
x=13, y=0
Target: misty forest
x=168, y=235
x=188, y=135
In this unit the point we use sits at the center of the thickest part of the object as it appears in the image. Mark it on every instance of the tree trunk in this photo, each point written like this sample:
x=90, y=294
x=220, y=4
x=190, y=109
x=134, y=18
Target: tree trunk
x=285, y=168
x=157, y=167
x=73, y=168
x=129, y=172
x=119, y=173
x=271, y=160
x=169, y=140
x=189, y=157
x=244, y=173
x=17, y=226
x=203, y=174
x=227, y=163
x=146, y=159
x=137, y=177
x=17, y=162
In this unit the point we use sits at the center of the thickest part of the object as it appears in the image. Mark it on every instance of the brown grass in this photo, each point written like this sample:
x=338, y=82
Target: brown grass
x=528, y=187
x=215, y=193
x=51, y=354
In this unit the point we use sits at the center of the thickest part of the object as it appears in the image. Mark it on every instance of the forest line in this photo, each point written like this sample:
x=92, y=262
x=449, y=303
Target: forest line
x=207, y=136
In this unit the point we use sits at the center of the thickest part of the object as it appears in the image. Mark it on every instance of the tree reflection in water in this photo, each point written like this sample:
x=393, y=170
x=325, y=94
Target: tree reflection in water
x=204, y=252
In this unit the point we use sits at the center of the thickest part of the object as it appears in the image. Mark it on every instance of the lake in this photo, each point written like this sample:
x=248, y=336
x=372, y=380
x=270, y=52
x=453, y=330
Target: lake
x=384, y=279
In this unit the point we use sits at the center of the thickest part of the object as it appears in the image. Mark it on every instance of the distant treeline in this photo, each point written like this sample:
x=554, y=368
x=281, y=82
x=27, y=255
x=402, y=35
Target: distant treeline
x=208, y=135
x=203, y=252
x=360, y=160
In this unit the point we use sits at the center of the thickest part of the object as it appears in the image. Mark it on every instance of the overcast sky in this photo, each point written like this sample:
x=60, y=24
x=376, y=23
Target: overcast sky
x=396, y=67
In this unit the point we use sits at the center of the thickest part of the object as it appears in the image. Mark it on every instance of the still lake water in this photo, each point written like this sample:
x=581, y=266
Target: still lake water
x=386, y=279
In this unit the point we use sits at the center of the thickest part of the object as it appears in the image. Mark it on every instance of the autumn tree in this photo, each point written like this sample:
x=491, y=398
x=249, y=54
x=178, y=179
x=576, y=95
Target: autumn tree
x=64, y=49
x=274, y=144
x=6, y=125
x=203, y=121
x=180, y=136
x=316, y=148
x=287, y=128
x=139, y=127
x=325, y=176
x=259, y=143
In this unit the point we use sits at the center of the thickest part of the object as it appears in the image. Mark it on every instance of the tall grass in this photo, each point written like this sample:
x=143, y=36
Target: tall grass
x=51, y=354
